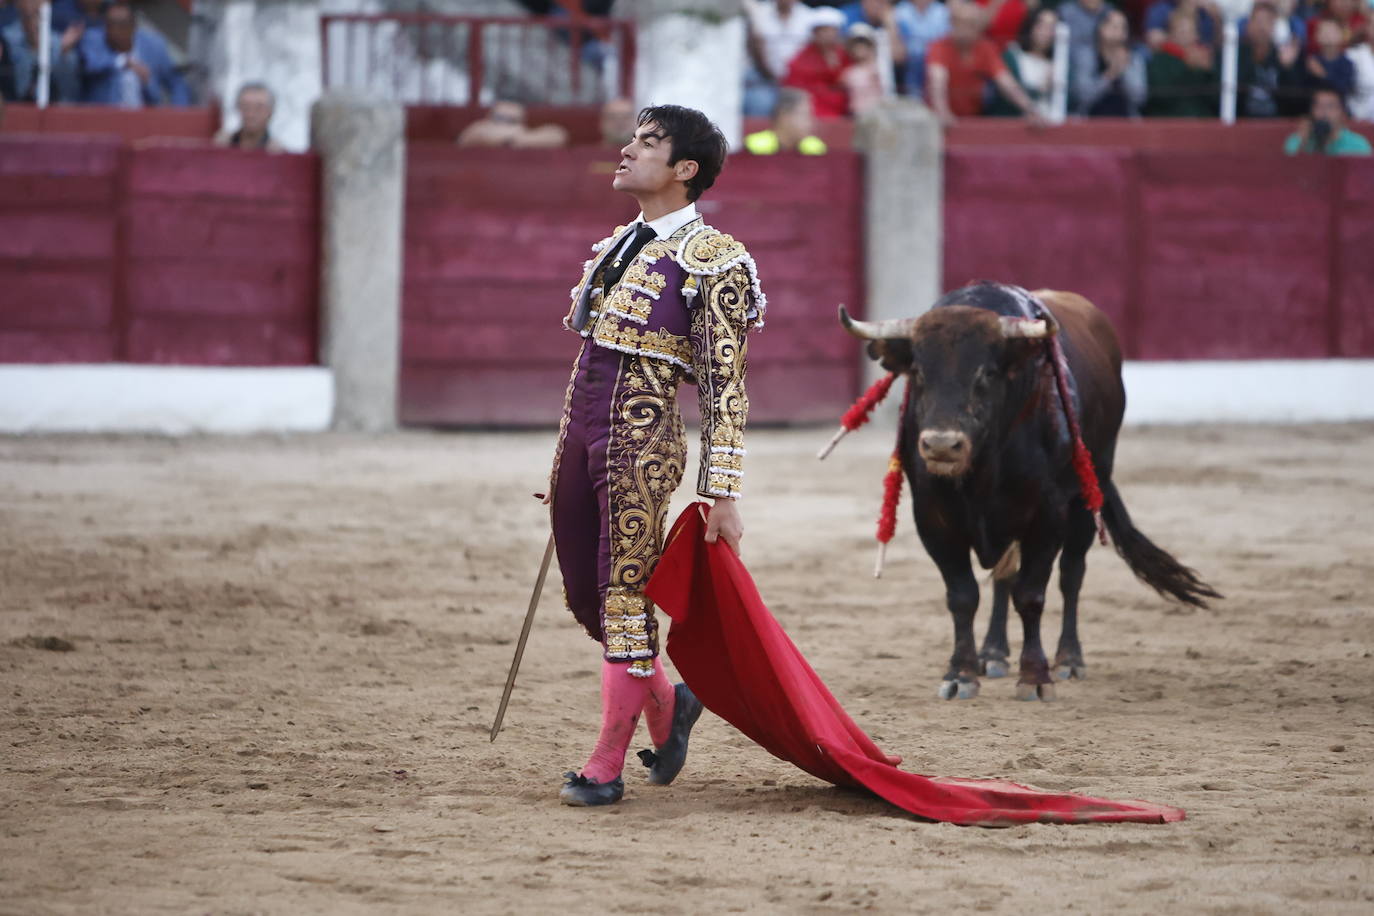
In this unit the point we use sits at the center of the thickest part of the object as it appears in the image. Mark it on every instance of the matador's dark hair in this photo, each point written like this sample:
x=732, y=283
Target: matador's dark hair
x=693, y=137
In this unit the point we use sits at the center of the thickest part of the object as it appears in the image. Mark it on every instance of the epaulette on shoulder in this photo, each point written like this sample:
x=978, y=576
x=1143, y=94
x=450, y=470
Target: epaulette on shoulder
x=707, y=251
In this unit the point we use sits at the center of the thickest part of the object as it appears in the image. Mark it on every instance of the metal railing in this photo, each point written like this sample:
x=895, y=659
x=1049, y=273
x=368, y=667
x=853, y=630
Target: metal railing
x=428, y=59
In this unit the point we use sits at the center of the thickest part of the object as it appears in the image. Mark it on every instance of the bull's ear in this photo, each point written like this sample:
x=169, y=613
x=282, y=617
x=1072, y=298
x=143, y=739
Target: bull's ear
x=892, y=353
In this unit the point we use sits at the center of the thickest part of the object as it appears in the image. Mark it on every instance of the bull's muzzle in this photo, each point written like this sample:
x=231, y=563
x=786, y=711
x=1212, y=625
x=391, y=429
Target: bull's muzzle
x=946, y=452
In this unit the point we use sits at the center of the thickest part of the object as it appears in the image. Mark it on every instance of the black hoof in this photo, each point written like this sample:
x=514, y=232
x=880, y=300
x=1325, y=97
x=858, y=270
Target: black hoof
x=996, y=667
x=1043, y=692
x=581, y=792
x=961, y=688
x=1071, y=672
x=666, y=762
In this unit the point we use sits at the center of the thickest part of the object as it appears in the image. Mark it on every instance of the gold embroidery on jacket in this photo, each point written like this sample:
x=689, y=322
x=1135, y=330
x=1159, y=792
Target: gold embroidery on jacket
x=720, y=351
x=644, y=460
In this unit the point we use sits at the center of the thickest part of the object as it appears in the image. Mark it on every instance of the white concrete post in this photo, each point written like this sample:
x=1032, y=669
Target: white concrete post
x=1059, y=82
x=691, y=52
x=361, y=143
x=903, y=211
x=44, y=50
x=1230, y=58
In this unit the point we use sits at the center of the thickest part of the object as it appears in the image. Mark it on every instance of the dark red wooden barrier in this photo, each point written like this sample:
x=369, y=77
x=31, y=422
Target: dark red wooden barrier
x=1193, y=255
x=59, y=206
x=156, y=254
x=494, y=240
x=199, y=123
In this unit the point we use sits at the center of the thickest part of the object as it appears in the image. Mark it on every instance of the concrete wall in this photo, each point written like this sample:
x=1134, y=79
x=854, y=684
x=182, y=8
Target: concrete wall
x=691, y=52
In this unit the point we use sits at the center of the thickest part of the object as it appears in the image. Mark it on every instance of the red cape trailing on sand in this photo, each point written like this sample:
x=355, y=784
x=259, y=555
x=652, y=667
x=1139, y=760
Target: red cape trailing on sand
x=764, y=687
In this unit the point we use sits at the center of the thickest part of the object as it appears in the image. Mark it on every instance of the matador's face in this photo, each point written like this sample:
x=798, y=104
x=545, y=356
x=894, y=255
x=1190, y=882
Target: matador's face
x=644, y=168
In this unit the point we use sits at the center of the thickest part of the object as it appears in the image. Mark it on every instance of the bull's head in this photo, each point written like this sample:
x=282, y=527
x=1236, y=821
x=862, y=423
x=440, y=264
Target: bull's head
x=961, y=363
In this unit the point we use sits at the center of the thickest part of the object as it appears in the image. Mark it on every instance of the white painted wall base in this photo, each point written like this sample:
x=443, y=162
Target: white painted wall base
x=176, y=400
x=171, y=400
x=1250, y=391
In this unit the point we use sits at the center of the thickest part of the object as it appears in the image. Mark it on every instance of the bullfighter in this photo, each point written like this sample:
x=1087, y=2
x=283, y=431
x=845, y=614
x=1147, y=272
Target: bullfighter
x=664, y=300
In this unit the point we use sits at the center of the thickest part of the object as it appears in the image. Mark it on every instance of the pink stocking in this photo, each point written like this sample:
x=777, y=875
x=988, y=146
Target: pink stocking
x=658, y=706
x=622, y=697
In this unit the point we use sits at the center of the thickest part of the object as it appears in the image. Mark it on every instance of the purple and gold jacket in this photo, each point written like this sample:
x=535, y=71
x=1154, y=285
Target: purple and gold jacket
x=688, y=300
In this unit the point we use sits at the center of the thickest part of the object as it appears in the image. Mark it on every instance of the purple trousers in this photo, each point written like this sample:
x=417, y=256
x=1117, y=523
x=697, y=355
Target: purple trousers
x=620, y=456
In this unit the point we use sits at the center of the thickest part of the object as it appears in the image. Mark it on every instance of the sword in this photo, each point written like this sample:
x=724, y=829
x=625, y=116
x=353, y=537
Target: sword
x=524, y=636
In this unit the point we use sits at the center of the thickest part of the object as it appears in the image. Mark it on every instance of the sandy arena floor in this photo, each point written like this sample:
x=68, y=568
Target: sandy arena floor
x=286, y=653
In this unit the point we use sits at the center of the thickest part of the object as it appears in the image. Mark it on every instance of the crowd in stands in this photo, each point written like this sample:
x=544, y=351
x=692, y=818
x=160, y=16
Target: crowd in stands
x=99, y=56
x=971, y=58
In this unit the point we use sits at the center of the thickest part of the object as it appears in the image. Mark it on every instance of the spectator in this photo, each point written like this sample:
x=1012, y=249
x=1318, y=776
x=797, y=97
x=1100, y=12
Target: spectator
x=1362, y=58
x=128, y=66
x=1109, y=76
x=1325, y=130
x=1328, y=65
x=1158, y=17
x=961, y=66
x=1266, y=74
x=1182, y=72
x=778, y=30
x=618, y=122
x=791, y=130
x=880, y=16
x=255, y=103
x=921, y=22
x=504, y=125
x=19, y=58
x=817, y=68
x=1083, y=17
x=1346, y=14
x=1004, y=19
x=863, y=82
x=1030, y=60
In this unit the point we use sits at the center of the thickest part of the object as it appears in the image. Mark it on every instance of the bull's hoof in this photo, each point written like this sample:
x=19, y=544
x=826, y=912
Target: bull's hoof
x=996, y=667
x=958, y=689
x=1028, y=692
x=1071, y=672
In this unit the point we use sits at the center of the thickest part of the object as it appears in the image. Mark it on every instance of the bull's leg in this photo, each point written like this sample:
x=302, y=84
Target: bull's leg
x=995, y=655
x=961, y=594
x=1073, y=563
x=1028, y=594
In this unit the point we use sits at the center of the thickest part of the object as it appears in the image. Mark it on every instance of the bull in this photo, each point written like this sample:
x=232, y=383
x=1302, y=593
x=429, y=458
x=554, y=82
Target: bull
x=986, y=448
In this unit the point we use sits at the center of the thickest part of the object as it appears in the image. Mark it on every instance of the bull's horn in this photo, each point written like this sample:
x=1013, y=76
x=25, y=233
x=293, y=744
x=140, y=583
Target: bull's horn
x=1033, y=328
x=877, y=330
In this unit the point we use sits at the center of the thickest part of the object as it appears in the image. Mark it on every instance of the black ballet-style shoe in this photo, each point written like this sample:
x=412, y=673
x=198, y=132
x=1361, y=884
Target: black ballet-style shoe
x=581, y=792
x=666, y=762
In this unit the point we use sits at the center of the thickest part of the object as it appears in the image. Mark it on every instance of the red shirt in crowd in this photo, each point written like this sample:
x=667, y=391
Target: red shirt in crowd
x=1006, y=22
x=969, y=72
x=810, y=70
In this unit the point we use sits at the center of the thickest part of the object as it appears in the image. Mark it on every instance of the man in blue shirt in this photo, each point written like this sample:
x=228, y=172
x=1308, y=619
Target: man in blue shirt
x=19, y=58
x=922, y=22
x=128, y=66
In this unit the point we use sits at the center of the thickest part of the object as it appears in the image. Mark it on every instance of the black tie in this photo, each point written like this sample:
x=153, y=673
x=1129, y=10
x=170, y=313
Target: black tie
x=643, y=236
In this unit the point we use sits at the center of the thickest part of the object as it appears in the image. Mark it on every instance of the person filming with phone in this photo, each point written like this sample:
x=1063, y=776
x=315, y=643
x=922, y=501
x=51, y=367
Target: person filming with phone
x=1324, y=129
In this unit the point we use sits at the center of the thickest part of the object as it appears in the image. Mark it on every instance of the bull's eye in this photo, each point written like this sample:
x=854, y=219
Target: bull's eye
x=916, y=376
x=980, y=380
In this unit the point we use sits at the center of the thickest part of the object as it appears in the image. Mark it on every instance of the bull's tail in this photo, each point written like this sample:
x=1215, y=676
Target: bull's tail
x=1151, y=565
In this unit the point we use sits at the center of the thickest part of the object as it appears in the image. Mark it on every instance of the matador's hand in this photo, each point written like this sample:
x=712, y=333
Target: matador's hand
x=724, y=522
